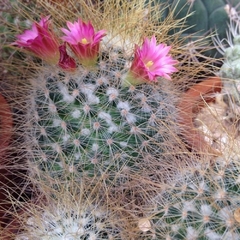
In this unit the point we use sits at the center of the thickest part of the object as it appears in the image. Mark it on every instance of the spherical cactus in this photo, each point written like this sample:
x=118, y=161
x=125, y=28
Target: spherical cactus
x=203, y=203
x=93, y=122
x=72, y=214
x=87, y=121
x=102, y=115
x=59, y=222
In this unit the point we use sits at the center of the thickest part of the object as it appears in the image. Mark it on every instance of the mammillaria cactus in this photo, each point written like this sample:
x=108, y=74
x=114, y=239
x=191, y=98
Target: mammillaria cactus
x=203, y=203
x=58, y=222
x=106, y=113
x=75, y=212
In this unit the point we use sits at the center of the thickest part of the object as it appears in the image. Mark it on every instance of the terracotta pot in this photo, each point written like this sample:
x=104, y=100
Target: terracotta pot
x=12, y=227
x=192, y=101
x=6, y=124
x=10, y=230
x=6, y=175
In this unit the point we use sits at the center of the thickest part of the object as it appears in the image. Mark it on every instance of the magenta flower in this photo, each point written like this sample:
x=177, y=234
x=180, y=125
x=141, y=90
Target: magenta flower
x=66, y=62
x=40, y=41
x=151, y=61
x=83, y=41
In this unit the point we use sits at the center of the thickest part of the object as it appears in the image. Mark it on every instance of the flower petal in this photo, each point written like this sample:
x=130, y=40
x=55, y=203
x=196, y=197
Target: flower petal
x=83, y=41
x=40, y=41
x=152, y=61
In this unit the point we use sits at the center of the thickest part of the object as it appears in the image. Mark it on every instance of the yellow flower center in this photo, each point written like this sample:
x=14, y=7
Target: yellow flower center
x=149, y=64
x=84, y=41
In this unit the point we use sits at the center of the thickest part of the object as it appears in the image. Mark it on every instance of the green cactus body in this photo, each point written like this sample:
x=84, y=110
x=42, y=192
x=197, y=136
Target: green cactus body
x=88, y=123
x=230, y=70
x=203, y=205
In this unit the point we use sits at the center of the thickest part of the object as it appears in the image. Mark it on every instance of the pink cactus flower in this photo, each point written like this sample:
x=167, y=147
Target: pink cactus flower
x=66, y=62
x=40, y=41
x=83, y=41
x=151, y=61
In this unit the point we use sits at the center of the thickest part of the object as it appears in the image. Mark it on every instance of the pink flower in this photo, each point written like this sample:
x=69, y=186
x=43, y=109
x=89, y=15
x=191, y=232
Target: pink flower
x=40, y=41
x=83, y=41
x=151, y=61
x=66, y=62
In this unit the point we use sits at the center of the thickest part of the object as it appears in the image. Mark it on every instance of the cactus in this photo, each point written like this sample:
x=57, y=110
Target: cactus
x=100, y=118
x=59, y=222
x=85, y=118
x=75, y=212
x=93, y=119
x=89, y=119
x=229, y=72
x=205, y=17
x=203, y=203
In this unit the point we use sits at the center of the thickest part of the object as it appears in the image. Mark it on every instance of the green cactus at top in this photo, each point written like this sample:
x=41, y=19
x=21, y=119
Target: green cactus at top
x=205, y=17
x=101, y=118
x=202, y=204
